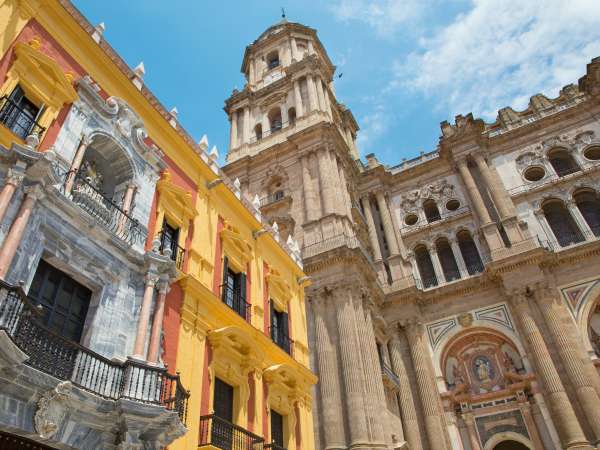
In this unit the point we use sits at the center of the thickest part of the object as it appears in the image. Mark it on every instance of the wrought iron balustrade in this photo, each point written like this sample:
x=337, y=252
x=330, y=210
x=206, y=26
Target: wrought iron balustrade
x=273, y=446
x=177, y=252
x=89, y=198
x=55, y=355
x=272, y=198
x=17, y=120
x=233, y=298
x=220, y=433
x=282, y=340
x=568, y=238
x=273, y=130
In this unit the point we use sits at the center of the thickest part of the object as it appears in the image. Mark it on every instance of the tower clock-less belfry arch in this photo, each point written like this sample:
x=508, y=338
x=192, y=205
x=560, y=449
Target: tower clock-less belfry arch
x=455, y=296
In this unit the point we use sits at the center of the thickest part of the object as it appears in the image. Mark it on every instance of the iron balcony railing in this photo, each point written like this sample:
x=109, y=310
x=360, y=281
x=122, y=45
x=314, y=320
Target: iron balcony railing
x=17, y=120
x=272, y=198
x=282, y=340
x=104, y=210
x=274, y=446
x=220, y=433
x=566, y=239
x=276, y=128
x=177, y=252
x=55, y=355
x=233, y=298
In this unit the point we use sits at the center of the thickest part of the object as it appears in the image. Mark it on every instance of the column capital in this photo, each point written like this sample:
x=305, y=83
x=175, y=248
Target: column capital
x=15, y=176
x=35, y=191
x=86, y=139
x=151, y=278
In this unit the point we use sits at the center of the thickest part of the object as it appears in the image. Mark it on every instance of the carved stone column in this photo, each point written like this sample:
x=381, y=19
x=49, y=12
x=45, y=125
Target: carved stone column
x=327, y=188
x=408, y=411
x=568, y=427
x=157, y=322
x=570, y=354
x=246, y=126
x=499, y=194
x=348, y=344
x=344, y=189
x=310, y=203
x=298, y=99
x=312, y=93
x=339, y=184
x=140, y=337
x=13, y=180
x=471, y=431
x=17, y=229
x=474, y=194
x=76, y=164
x=366, y=204
x=427, y=390
x=294, y=47
x=386, y=219
x=320, y=94
x=234, y=130
x=328, y=386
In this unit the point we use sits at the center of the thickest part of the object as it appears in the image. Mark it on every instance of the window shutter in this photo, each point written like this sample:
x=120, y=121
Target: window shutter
x=243, y=287
x=285, y=325
x=224, y=282
x=271, y=316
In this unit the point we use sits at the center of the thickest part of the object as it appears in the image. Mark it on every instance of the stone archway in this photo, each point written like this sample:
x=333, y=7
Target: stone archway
x=510, y=445
x=508, y=441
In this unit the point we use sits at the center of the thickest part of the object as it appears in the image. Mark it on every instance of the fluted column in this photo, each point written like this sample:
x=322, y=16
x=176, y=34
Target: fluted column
x=157, y=322
x=310, y=203
x=312, y=93
x=570, y=354
x=344, y=189
x=298, y=99
x=328, y=380
x=76, y=163
x=366, y=203
x=246, y=125
x=142, y=326
x=353, y=378
x=407, y=404
x=427, y=390
x=386, y=219
x=498, y=193
x=474, y=194
x=326, y=98
x=568, y=427
x=234, y=130
x=13, y=180
x=339, y=187
x=294, y=48
x=320, y=94
x=17, y=229
x=326, y=182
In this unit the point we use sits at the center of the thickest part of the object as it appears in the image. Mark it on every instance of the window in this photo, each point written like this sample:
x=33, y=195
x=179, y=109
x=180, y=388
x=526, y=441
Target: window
x=234, y=290
x=19, y=114
x=425, y=266
x=275, y=119
x=223, y=428
x=589, y=206
x=562, y=162
x=258, y=131
x=561, y=223
x=280, y=329
x=432, y=213
x=447, y=261
x=469, y=252
x=292, y=115
x=64, y=302
x=277, y=429
x=273, y=59
x=169, y=239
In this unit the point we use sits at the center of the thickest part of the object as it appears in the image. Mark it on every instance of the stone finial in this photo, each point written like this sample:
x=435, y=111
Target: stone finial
x=290, y=242
x=32, y=140
x=275, y=231
x=203, y=144
x=156, y=245
x=256, y=202
x=138, y=75
x=98, y=32
x=237, y=186
x=173, y=117
x=214, y=153
x=372, y=160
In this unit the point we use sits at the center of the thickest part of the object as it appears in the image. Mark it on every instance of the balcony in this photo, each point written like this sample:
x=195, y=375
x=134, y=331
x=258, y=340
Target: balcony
x=568, y=239
x=273, y=446
x=219, y=433
x=66, y=360
x=276, y=128
x=110, y=215
x=233, y=298
x=177, y=252
x=272, y=198
x=282, y=340
x=18, y=120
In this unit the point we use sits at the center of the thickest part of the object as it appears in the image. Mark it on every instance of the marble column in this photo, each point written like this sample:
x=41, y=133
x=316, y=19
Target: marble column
x=17, y=229
x=427, y=390
x=76, y=163
x=126, y=207
x=142, y=326
x=407, y=404
x=474, y=194
x=570, y=354
x=312, y=93
x=326, y=98
x=310, y=202
x=246, y=126
x=298, y=99
x=499, y=194
x=234, y=130
x=13, y=180
x=563, y=415
x=348, y=344
x=386, y=220
x=366, y=203
x=326, y=182
x=328, y=386
x=157, y=321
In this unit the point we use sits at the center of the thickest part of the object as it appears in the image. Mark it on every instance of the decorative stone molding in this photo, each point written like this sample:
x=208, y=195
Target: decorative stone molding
x=51, y=410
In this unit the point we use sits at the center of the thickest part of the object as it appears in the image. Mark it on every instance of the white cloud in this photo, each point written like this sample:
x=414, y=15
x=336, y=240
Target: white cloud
x=373, y=125
x=501, y=52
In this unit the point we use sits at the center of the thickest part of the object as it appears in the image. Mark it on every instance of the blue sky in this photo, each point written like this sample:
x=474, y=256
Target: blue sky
x=406, y=64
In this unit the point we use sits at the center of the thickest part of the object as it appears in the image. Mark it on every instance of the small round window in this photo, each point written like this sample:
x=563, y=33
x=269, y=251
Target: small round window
x=411, y=219
x=534, y=173
x=452, y=205
x=592, y=153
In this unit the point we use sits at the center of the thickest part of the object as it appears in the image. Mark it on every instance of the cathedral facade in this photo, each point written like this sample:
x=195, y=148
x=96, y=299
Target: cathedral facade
x=454, y=297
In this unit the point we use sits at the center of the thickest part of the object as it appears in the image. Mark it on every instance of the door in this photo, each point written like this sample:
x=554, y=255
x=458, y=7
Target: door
x=277, y=429
x=222, y=427
x=170, y=240
x=19, y=113
x=63, y=300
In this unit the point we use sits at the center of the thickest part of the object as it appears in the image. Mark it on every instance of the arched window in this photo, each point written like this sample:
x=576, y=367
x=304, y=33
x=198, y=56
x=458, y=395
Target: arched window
x=561, y=223
x=275, y=119
x=589, y=206
x=292, y=115
x=562, y=162
x=258, y=131
x=273, y=59
x=447, y=260
x=425, y=266
x=432, y=213
x=469, y=252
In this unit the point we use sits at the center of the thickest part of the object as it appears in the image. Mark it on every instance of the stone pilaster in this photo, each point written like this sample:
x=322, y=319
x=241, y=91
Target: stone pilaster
x=298, y=99
x=366, y=204
x=407, y=404
x=234, y=131
x=312, y=93
x=326, y=183
x=386, y=220
x=246, y=125
x=568, y=427
x=498, y=193
x=310, y=203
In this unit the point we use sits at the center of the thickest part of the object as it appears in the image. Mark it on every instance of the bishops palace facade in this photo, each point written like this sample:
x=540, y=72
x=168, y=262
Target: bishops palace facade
x=299, y=297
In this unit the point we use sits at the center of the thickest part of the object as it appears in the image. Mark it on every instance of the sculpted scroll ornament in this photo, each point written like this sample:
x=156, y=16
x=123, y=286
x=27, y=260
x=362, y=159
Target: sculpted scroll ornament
x=438, y=191
x=52, y=409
